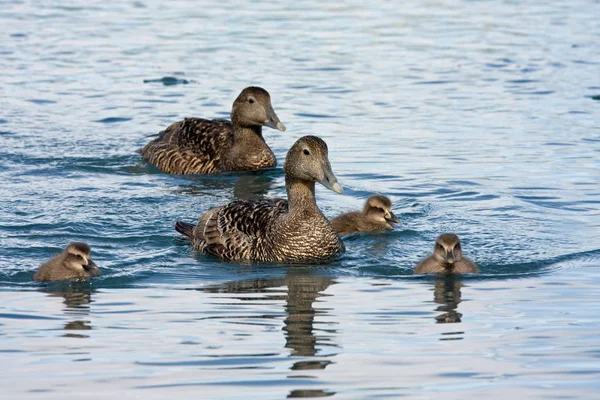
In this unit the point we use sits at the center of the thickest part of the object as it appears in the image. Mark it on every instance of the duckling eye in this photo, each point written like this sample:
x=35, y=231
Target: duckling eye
x=250, y=100
x=439, y=246
x=80, y=256
x=457, y=246
x=306, y=152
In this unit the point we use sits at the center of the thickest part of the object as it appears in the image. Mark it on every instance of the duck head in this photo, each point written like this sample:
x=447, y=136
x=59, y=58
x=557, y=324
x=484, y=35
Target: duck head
x=379, y=209
x=447, y=249
x=253, y=108
x=308, y=160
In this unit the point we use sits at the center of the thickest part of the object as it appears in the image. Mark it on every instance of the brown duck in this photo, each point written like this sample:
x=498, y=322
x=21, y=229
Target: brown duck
x=376, y=216
x=201, y=146
x=447, y=258
x=74, y=263
x=293, y=230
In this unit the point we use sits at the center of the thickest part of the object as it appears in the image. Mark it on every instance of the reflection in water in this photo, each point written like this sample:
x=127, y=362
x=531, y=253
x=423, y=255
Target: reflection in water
x=303, y=290
x=447, y=293
x=77, y=298
x=248, y=186
x=252, y=187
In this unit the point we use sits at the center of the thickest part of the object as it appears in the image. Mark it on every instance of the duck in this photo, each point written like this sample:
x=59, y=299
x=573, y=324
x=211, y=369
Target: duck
x=202, y=146
x=275, y=230
x=73, y=263
x=446, y=258
x=376, y=216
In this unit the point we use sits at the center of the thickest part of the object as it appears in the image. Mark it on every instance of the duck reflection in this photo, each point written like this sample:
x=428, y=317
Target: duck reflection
x=447, y=293
x=77, y=299
x=303, y=290
x=249, y=186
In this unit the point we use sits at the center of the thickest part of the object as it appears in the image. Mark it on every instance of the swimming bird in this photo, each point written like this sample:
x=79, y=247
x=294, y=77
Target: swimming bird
x=376, y=216
x=74, y=263
x=292, y=230
x=201, y=146
x=447, y=257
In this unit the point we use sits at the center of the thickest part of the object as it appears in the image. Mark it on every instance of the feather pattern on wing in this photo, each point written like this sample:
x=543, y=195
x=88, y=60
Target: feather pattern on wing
x=191, y=146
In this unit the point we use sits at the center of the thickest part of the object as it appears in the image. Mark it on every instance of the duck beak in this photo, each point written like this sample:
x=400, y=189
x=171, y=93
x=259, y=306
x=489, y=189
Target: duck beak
x=450, y=257
x=273, y=121
x=92, y=268
x=392, y=218
x=330, y=181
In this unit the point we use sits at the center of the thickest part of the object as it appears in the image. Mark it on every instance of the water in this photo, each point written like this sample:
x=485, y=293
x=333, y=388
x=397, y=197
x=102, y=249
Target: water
x=475, y=117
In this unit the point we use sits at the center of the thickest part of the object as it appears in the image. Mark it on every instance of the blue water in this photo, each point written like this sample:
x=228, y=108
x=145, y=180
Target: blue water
x=476, y=117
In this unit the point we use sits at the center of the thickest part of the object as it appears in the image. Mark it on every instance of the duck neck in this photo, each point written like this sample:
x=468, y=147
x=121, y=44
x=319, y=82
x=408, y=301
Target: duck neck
x=246, y=133
x=301, y=195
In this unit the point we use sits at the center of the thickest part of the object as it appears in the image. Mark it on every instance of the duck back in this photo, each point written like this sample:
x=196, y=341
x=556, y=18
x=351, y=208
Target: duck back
x=355, y=221
x=191, y=146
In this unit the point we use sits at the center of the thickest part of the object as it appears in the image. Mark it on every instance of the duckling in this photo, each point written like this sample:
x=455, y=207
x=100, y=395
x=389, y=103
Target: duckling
x=74, y=263
x=376, y=216
x=201, y=146
x=269, y=230
x=447, y=257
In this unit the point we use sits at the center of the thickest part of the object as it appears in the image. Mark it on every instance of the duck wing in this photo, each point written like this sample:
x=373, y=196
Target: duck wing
x=191, y=146
x=236, y=230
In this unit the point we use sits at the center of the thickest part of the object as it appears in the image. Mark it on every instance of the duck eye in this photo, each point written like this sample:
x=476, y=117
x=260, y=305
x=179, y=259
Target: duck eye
x=250, y=100
x=305, y=151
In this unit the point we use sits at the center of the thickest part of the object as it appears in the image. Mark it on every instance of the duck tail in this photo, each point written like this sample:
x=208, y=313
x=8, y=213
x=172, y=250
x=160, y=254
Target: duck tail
x=185, y=229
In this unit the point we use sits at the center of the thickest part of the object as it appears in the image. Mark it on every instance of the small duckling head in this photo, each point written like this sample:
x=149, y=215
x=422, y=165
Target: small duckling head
x=379, y=209
x=253, y=108
x=447, y=249
x=78, y=257
x=308, y=160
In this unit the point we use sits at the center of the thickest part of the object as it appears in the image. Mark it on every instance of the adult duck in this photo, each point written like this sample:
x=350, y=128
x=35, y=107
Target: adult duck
x=275, y=230
x=202, y=146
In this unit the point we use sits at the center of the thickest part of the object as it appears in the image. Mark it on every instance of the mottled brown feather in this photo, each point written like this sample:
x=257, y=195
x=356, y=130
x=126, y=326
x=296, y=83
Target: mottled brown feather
x=191, y=146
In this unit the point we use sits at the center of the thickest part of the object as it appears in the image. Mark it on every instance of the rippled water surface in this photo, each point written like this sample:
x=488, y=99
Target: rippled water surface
x=478, y=117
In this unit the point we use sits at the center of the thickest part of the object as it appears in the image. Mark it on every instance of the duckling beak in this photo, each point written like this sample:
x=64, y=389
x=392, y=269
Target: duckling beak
x=273, y=121
x=392, y=218
x=450, y=257
x=330, y=181
x=92, y=268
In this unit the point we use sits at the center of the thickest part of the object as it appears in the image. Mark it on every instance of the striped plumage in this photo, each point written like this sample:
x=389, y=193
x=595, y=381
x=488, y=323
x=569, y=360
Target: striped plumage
x=201, y=146
x=376, y=216
x=275, y=229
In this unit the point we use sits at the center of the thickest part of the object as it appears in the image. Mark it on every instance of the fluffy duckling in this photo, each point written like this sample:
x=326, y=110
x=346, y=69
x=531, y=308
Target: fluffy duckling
x=201, y=146
x=74, y=263
x=376, y=216
x=447, y=257
x=293, y=230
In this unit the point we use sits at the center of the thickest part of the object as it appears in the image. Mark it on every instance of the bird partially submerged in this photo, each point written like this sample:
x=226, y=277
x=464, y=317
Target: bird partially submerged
x=293, y=230
x=201, y=146
x=74, y=263
x=376, y=216
x=446, y=258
